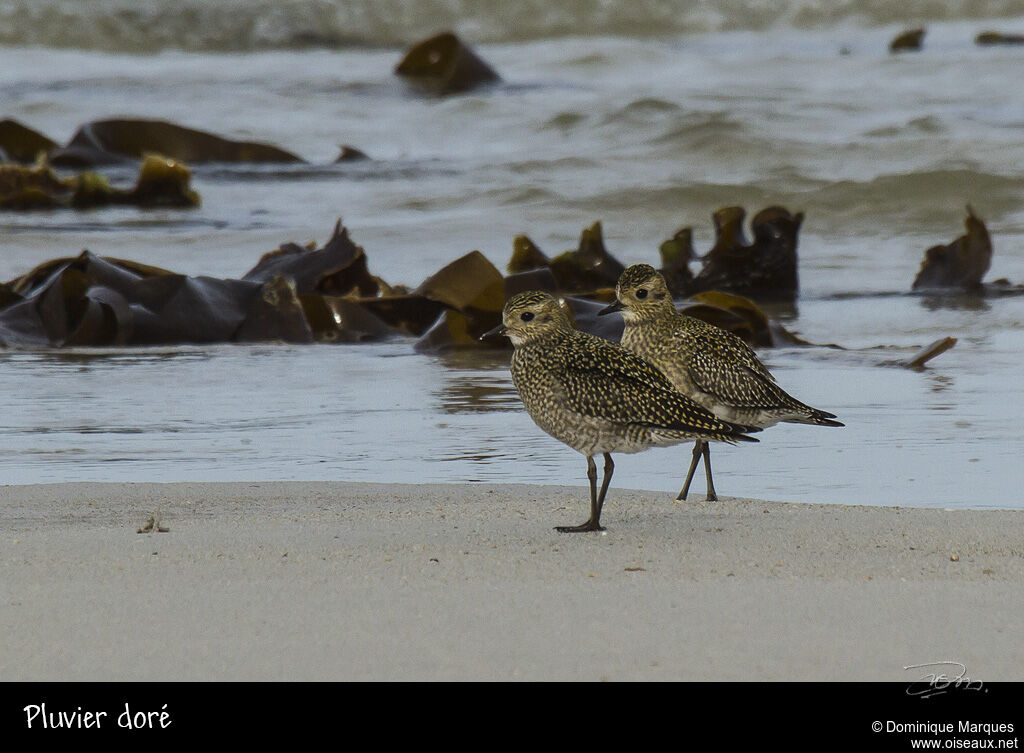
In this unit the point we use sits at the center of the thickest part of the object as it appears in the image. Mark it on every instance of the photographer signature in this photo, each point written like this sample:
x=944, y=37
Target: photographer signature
x=938, y=680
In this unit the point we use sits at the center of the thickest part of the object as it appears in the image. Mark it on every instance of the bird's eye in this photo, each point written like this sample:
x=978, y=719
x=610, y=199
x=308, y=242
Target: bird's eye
x=526, y=316
x=641, y=293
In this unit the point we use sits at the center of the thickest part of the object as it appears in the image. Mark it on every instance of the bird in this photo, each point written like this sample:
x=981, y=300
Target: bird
x=713, y=367
x=594, y=396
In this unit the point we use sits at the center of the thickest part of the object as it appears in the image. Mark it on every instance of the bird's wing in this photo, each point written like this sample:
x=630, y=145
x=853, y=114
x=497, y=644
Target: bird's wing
x=717, y=370
x=604, y=381
x=723, y=345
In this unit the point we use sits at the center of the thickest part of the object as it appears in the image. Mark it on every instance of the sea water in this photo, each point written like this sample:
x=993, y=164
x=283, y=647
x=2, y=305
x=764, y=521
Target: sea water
x=647, y=120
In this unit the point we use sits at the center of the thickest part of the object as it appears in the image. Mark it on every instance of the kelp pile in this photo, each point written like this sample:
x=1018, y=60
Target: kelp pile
x=96, y=301
x=161, y=182
x=912, y=40
x=440, y=65
x=127, y=140
x=29, y=162
x=959, y=266
x=443, y=64
x=765, y=269
x=29, y=180
x=907, y=41
x=305, y=294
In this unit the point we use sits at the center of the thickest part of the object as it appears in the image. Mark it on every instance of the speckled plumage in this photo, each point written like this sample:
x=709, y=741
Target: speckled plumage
x=593, y=395
x=713, y=367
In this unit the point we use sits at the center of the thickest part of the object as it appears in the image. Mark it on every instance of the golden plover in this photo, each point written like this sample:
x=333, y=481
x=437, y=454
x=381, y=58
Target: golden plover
x=594, y=396
x=713, y=367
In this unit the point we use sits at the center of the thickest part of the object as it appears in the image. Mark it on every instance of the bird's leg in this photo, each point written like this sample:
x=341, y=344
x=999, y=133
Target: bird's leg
x=594, y=524
x=697, y=448
x=712, y=497
x=609, y=469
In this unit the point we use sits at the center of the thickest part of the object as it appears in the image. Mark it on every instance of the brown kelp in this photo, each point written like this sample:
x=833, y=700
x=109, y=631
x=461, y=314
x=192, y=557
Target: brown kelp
x=110, y=141
x=124, y=140
x=733, y=313
x=676, y=254
x=339, y=268
x=960, y=264
x=443, y=64
x=472, y=291
x=290, y=296
x=19, y=143
x=161, y=182
x=765, y=269
x=305, y=293
x=589, y=266
x=908, y=41
x=990, y=38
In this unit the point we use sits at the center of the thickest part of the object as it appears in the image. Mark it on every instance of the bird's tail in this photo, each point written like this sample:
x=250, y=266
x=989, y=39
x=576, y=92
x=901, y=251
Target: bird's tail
x=738, y=432
x=816, y=417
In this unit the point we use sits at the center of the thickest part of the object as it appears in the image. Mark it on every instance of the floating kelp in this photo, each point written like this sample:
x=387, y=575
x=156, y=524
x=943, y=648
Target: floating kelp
x=104, y=271
x=70, y=302
x=525, y=256
x=960, y=264
x=473, y=292
x=909, y=41
x=728, y=229
x=7, y=295
x=989, y=38
x=302, y=294
x=586, y=315
x=733, y=313
x=341, y=320
x=19, y=143
x=451, y=330
x=350, y=154
x=339, y=268
x=110, y=141
x=766, y=268
x=589, y=267
x=161, y=183
x=469, y=283
x=35, y=187
x=534, y=279
x=763, y=270
x=408, y=313
x=89, y=300
x=676, y=254
x=444, y=65
x=275, y=314
x=178, y=309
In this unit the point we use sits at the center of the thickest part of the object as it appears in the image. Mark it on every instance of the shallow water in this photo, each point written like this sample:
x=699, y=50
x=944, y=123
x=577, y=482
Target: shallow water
x=646, y=133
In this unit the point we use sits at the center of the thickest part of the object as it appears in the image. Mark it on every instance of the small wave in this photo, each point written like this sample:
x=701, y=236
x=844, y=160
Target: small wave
x=923, y=199
x=708, y=128
x=928, y=126
x=646, y=106
x=644, y=111
x=233, y=25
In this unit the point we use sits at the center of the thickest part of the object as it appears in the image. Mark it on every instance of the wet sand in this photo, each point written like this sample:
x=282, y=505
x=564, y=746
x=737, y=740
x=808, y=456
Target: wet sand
x=338, y=581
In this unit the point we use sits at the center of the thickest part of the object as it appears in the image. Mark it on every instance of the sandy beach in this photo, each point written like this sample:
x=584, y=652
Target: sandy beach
x=340, y=581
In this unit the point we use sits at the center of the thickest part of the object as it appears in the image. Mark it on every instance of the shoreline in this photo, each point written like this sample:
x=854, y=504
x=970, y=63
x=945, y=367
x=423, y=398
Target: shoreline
x=357, y=581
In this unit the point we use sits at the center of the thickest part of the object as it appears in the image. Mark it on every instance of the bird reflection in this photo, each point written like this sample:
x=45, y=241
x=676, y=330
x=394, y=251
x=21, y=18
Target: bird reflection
x=476, y=381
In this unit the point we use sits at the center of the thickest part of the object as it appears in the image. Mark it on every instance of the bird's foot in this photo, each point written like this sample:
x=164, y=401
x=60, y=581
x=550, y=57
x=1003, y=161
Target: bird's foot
x=712, y=497
x=590, y=525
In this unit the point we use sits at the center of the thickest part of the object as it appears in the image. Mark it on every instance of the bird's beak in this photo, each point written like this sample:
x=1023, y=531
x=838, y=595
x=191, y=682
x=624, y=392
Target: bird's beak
x=494, y=334
x=611, y=308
